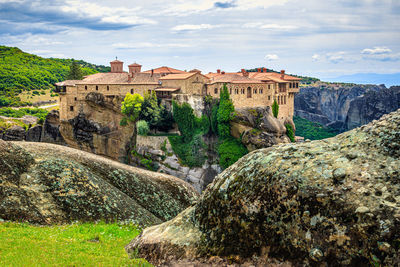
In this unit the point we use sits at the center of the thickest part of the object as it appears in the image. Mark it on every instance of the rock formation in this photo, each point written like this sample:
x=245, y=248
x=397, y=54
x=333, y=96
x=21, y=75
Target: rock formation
x=372, y=106
x=14, y=133
x=328, y=104
x=258, y=128
x=331, y=202
x=46, y=183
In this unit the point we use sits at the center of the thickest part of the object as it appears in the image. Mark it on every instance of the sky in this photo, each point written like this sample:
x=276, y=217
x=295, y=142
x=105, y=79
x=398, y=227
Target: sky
x=317, y=38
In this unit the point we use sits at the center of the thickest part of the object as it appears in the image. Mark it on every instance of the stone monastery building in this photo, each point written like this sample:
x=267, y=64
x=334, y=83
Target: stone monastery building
x=247, y=89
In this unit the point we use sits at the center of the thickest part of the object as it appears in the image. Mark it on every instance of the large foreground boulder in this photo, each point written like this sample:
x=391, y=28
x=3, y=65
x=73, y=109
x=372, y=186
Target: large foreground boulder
x=334, y=201
x=47, y=183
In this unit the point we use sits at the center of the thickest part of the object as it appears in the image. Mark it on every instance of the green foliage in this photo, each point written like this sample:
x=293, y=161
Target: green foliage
x=275, y=109
x=230, y=150
x=142, y=128
x=131, y=106
x=88, y=244
x=190, y=153
x=148, y=164
x=214, y=119
x=40, y=121
x=184, y=117
x=224, y=115
x=163, y=146
x=290, y=132
x=312, y=130
x=166, y=121
x=75, y=72
x=123, y=121
x=19, y=113
x=150, y=110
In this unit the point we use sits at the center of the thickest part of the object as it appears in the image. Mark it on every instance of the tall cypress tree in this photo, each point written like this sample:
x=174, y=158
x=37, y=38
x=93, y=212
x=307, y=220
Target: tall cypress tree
x=75, y=72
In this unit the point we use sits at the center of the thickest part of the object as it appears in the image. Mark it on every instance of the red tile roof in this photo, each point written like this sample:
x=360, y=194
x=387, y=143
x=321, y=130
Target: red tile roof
x=179, y=76
x=134, y=65
x=165, y=70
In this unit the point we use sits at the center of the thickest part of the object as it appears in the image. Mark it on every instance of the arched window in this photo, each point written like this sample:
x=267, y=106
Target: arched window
x=248, y=92
x=131, y=91
x=290, y=85
x=261, y=90
x=230, y=91
x=215, y=90
x=255, y=91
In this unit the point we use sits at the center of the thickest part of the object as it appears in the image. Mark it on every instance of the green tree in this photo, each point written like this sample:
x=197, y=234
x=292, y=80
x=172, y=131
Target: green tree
x=184, y=117
x=131, y=107
x=75, y=72
x=225, y=111
x=142, y=128
x=150, y=110
x=290, y=132
x=275, y=109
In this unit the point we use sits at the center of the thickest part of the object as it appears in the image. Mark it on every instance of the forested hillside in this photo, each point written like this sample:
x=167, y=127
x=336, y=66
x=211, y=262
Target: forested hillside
x=20, y=71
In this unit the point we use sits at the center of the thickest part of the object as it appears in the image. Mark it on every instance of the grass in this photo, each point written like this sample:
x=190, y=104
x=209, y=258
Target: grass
x=81, y=244
x=26, y=96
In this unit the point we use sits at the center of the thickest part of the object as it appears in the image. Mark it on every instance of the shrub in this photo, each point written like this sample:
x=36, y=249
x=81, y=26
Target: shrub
x=230, y=150
x=131, y=106
x=190, y=153
x=184, y=117
x=275, y=109
x=40, y=121
x=166, y=121
x=123, y=121
x=290, y=132
x=150, y=111
x=142, y=128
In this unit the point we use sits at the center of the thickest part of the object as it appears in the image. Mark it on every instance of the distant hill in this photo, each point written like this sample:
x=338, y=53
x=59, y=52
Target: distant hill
x=20, y=71
x=368, y=78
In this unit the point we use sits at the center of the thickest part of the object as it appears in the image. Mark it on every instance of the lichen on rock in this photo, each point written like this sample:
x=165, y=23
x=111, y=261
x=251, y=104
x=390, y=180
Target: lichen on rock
x=334, y=201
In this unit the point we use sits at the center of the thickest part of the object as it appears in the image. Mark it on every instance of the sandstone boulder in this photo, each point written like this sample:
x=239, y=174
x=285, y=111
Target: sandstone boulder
x=34, y=134
x=332, y=202
x=47, y=183
x=14, y=133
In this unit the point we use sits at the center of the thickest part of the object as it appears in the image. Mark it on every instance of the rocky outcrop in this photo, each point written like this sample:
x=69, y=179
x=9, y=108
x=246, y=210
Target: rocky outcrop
x=47, y=183
x=97, y=127
x=332, y=202
x=258, y=128
x=51, y=129
x=372, y=106
x=14, y=133
x=328, y=104
x=34, y=134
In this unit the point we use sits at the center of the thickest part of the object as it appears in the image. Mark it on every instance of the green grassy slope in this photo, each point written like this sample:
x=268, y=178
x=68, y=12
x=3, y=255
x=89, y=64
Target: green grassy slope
x=311, y=130
x=88, y=244
x=20, y=71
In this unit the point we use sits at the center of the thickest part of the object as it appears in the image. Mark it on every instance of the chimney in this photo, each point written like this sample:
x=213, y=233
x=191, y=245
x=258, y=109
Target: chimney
x=282, y=74
x=134, y=68
x=129, y=77
x=117, y=66
x=259, y=70
x=264, y=70
x=218, y=71
x=152, y=72
x=245, y=73
x=223, y=72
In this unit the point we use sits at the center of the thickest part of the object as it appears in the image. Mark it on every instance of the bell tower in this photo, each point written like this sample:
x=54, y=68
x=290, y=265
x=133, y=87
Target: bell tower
x=117, y=66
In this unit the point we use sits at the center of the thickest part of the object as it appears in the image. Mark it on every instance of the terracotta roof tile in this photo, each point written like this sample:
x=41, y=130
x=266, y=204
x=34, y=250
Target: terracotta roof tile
x=165, y=70
x=134, y=65
x=180, y=76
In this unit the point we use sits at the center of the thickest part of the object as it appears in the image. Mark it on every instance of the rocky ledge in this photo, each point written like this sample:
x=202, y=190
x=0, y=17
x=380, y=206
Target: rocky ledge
x=330, y=202
x=47, y=183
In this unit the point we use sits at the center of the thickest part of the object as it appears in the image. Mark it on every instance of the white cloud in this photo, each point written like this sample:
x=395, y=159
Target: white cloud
x=377, y=50
x=336, y=57
x=271, y=57
x=148, y=45
x=273, y=26
x=316, y=57
x=252, y=4
x=193, y=27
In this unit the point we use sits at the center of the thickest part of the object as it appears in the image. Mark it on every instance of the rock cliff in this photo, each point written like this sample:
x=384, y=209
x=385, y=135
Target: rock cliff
x=328, y=104
x=46, y=183
x=371, y=106
x=332, y=202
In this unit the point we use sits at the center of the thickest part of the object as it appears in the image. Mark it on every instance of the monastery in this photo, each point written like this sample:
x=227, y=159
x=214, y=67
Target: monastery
x=247, y=89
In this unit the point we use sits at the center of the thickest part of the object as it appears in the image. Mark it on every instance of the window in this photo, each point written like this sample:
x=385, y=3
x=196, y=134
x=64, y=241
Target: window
x=290, y=85
x=76, y=98
x=215, y=90
x=248, y=92
x=269, y=86
x=269, y=97
x=242, y=91
x=236, y=91
x=255, y=91
x=108, y=88
x=279, y=100
x=284, y=100
x=97, y=88
x=230, y=91
x=297, y=85
x=85, y=87
x=131, y=91
x=71, y=108
x=261, y=90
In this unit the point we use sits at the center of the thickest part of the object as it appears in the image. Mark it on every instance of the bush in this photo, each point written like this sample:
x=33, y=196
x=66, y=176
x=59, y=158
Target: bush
x=290, y=132
x=230, y=150
x=184, y=117
x=123, y=121
x=166, y=121
x=190, y=153
x=142, y=128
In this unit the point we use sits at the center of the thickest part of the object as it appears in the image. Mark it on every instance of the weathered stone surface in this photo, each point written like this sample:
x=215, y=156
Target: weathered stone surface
x=51, y=129
x=334, y=201
x=47, y=183
x=14, y=133
x=34, y=134
x=329, y=103
x=258, y=128
x=372, y=106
